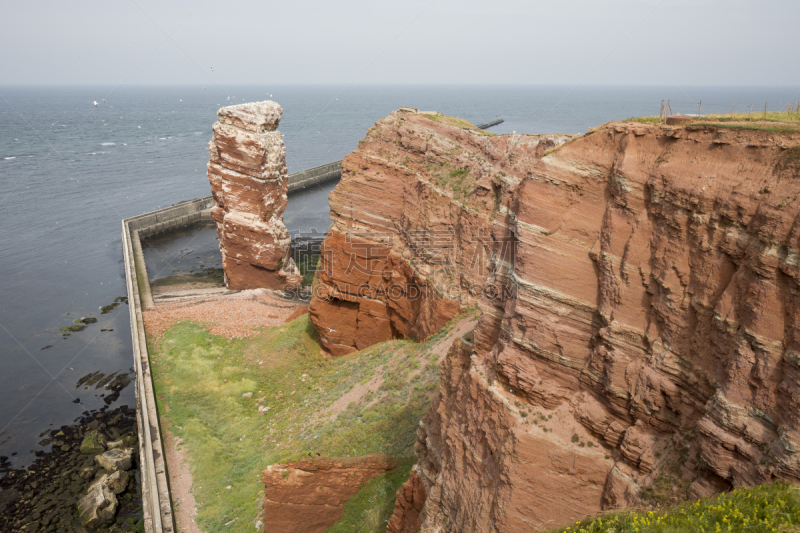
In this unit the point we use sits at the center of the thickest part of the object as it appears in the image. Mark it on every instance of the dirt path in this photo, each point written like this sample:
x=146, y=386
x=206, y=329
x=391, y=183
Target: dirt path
x=180, y=482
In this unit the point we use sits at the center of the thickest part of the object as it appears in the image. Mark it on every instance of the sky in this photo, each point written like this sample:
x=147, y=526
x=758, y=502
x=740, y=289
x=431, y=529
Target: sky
x=610, y=42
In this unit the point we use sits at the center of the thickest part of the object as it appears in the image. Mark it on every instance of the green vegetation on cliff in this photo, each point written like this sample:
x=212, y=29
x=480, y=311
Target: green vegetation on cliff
x=240, y=405
x=764, y=509
x=457, y=122
x=772, y=121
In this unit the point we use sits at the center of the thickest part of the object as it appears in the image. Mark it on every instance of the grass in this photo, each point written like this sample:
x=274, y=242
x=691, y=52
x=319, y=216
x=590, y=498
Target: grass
x=374, y=503
x=767, y=508
x=451, y=121
x=772, y=121
x=458, y=123
x=202, y=378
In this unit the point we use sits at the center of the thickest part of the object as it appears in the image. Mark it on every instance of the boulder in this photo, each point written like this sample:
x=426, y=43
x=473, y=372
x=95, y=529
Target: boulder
x=115, y=482
x=98, y=507
x=93, y=442
x=113, y=460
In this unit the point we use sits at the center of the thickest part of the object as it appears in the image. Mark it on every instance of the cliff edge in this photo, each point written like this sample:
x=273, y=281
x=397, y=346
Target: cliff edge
x=412, y=226
x=638, y=340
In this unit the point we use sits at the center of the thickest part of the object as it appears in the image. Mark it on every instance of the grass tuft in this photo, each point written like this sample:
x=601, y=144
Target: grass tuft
x=763, y=509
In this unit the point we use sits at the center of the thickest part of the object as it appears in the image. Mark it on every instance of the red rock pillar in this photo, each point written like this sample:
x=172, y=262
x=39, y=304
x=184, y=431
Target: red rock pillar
x=247, y=171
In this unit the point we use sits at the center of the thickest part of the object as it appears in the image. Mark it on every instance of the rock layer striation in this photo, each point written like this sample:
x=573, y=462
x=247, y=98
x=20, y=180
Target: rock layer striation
x=639, y=333
x=308, y=496
x=644, y=349
x=411, y=238
x=248, y=176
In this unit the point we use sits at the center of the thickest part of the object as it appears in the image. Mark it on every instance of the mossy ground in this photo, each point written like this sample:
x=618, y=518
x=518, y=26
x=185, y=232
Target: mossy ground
x=202, y=377
x=767, y=508
x=457, y=122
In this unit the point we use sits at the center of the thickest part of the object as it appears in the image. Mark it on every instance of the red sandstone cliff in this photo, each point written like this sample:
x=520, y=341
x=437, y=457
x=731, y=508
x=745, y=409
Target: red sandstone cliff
x=308, y=496
x=247, y=172
x=638, y=341
x=412, y=227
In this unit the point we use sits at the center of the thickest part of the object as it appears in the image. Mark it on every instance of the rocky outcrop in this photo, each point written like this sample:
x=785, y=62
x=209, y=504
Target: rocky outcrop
x=638, y=336
x=407, y=517
x=65, y=489
x=307, y=496
x=644, y=345
x=411, y=237
x=247, y=171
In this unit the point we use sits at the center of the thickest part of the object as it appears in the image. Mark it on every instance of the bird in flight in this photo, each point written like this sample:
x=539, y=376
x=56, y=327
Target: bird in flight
x=212, y=69
x=95, y=103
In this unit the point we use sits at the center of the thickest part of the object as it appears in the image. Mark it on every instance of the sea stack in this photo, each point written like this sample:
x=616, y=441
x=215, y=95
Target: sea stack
x=247, y=171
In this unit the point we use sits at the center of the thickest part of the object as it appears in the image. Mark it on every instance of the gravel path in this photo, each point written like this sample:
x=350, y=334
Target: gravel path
x=229, y=315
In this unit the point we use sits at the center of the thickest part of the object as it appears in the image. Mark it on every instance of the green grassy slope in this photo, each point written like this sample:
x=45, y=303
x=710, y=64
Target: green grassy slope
x=367, y=402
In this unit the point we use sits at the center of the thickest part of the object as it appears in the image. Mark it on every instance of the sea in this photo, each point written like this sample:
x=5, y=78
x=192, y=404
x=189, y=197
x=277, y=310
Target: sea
x=71, y=170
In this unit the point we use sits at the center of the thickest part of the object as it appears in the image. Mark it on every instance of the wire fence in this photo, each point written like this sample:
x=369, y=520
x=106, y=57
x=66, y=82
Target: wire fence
x=701, y=108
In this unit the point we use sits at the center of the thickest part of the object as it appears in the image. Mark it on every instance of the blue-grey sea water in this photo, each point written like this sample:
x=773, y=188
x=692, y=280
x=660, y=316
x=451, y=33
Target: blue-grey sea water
x=70, y=172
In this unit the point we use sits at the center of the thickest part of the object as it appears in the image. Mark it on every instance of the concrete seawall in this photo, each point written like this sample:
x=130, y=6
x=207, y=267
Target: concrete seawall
x=313, y=176
x=156, y=500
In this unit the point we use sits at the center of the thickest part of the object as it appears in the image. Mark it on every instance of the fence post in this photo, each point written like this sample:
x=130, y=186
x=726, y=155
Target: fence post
x=700, y=109
x=751, y=112
x=733, y=106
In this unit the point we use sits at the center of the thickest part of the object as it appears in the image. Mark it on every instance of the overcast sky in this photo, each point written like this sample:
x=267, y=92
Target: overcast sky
x=643, y=42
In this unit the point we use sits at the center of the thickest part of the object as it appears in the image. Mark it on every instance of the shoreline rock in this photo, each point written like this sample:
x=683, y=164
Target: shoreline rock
x=49, y=495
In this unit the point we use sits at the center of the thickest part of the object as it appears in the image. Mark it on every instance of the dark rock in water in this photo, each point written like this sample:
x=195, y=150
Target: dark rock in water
x=108, y=308
x=87, y=320
x=48, y=346
x=7, y=497
x=93, y=442
x=73, y=329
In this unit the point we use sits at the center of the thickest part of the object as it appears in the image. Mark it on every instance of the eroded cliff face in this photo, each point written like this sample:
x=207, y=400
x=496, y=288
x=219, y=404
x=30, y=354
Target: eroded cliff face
x=638, y=339
x=308, y=496
x=411, y=238
x=247, y=172
x=643, y=346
